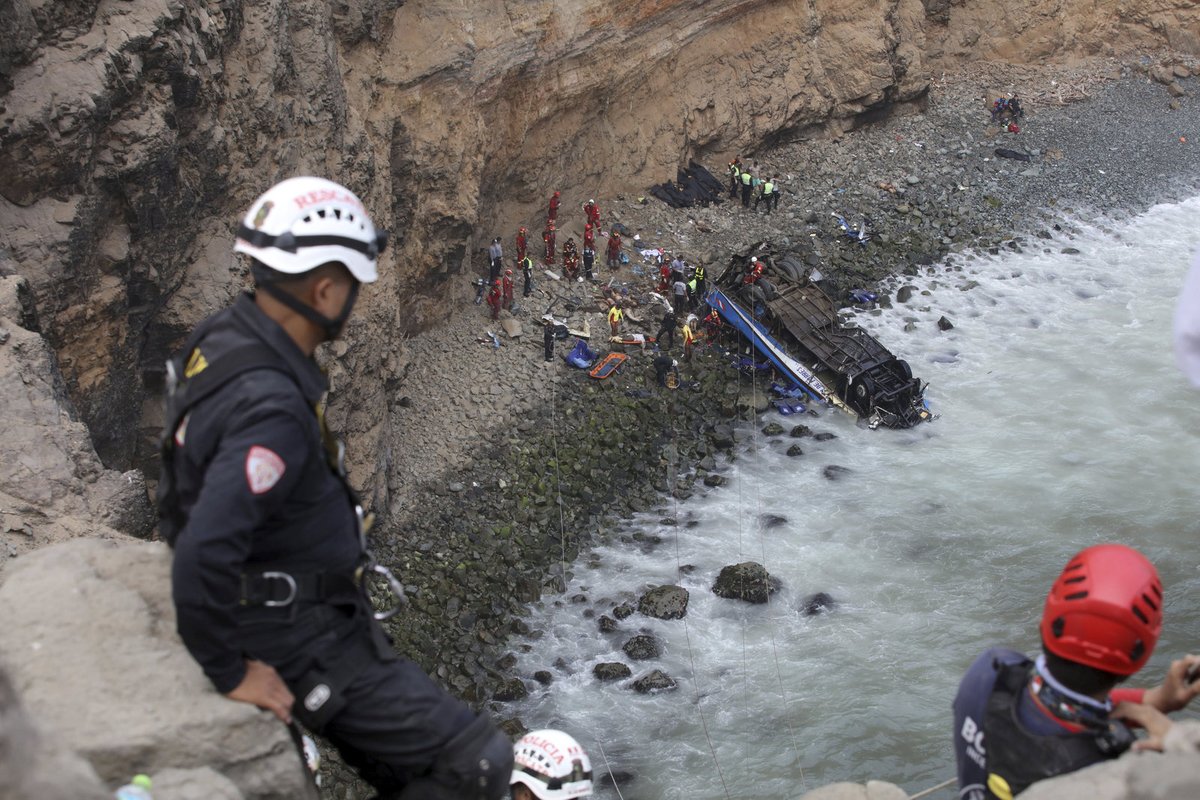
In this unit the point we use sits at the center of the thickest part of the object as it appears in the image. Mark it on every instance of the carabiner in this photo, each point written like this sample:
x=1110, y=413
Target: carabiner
x=396, y=588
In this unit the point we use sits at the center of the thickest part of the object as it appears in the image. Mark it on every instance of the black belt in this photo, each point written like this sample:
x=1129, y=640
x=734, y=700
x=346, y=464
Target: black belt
x=278, y=589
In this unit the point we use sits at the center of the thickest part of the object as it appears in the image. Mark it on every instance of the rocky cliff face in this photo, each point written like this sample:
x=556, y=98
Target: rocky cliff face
x=133, y=132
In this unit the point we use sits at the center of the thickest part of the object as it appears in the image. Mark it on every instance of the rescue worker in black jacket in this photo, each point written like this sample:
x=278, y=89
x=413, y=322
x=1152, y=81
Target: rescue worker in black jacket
x=1019, y=720
x=270, y=540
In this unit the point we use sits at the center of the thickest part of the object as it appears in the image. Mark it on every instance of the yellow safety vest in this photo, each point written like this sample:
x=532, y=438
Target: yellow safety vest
x=768, y=187
x=614, y=314
x=746, y=178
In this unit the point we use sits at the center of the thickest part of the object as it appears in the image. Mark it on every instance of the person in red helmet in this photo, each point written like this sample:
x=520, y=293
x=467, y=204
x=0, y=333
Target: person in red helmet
x=548, y=236
x=589, y=236
x=614, y=251
x=507, y=287
x=592, y=212
x=495, y=298
x=1019, y=720
x=522, y=243
x=552, y=211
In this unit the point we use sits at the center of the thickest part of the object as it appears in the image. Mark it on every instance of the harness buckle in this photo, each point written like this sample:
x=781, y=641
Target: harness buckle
x=292, y=589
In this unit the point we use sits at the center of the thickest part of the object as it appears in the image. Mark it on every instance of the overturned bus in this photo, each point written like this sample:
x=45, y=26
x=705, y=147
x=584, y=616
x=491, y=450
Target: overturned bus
x=794, y=324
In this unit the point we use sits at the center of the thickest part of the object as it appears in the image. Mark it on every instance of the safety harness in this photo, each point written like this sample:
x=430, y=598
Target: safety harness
x=1016, y=757
x=191, y=378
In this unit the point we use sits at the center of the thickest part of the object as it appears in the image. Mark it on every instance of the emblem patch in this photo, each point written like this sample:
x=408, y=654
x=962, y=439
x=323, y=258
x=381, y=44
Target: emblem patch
x=263, y=469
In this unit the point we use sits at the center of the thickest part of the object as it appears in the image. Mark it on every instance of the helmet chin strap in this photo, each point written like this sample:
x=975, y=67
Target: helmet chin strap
x=332, y=327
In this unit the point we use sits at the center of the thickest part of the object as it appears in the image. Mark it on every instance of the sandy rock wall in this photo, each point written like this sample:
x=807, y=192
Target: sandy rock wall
x=1058, y=31
x=132, y=132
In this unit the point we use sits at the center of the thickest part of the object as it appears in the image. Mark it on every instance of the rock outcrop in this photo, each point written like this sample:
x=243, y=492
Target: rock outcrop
x=1135, y=776
x=128, y=696
x=748, y=581
x=32, y=766
x=52, y=485
x=664, y=602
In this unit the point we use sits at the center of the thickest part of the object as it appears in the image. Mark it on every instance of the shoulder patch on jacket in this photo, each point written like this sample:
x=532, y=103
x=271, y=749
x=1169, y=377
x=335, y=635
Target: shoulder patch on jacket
x=264, y=468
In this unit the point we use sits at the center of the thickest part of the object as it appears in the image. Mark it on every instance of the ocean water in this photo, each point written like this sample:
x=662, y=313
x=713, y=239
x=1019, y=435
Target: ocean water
x=1064, y=422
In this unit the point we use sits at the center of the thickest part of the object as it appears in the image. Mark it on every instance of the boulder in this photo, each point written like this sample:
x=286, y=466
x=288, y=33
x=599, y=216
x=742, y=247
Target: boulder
x=752, y=402
x=772, y=429
x=642, y=647
x=818, y=603
x=193, y=784
x=1174, y=773
x=795, y=450
x=511, y=689
x=800, y=431
x=512, y=327
x=722, y=437
x=664, y=602
x=655, y=682
x=944, y=324
x=33, y=766
x=769, y=521
x=905, y=293
x=607, y=624
x=611, y=671
x=824, y=436
x=544, y=677
x=623, y=611
x=89, y=640
x=747, y=581
x=835, y=473
x=713, y=480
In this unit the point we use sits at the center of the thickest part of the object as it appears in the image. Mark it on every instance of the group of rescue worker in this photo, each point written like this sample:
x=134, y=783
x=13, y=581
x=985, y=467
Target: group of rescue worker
x=745, y=180
x=271, y=569
x=500, y=285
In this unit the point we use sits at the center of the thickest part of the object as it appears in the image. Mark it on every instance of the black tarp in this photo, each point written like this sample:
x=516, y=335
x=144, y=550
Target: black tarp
x=694, y=186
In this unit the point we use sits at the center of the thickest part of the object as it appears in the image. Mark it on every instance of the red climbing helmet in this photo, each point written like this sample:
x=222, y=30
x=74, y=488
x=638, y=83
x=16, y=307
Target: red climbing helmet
x=1105, y=610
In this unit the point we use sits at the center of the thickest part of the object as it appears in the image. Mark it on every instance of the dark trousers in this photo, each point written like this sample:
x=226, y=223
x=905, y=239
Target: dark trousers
x=733, y=186
x=765, y=199
x=669, y=332
x=394, y=724
x=548, y=341
x=494, y=272
x=745, y=195
x=528, y=284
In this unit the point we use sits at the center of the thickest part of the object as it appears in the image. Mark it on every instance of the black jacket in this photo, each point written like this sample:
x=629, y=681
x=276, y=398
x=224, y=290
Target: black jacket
x=258, y=492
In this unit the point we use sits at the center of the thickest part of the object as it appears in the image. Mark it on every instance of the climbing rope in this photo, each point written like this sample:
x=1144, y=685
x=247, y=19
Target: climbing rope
x=562, y=527
x=943, y=785
x=608, y=767
x=673, y=485
x=766, y=578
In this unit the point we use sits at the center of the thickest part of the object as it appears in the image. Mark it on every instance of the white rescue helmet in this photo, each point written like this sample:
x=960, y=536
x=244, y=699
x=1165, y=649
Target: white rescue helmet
x=552, y=765
x=301, y=223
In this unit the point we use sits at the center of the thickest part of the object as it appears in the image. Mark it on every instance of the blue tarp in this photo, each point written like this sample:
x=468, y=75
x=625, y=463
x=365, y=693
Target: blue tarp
x=580, y=356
